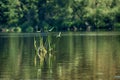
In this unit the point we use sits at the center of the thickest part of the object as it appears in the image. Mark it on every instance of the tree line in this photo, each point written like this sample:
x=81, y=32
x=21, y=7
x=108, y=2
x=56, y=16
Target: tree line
x=59, y=15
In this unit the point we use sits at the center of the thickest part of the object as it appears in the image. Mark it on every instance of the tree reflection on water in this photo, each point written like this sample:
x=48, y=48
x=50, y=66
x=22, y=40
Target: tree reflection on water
x=75, y=57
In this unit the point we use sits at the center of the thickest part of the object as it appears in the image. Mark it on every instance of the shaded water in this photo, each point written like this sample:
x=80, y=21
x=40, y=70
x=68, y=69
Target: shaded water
x=77, y=56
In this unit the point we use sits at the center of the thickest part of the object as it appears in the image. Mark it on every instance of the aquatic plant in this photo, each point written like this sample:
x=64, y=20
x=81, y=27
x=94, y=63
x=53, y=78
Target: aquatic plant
x=44, y=50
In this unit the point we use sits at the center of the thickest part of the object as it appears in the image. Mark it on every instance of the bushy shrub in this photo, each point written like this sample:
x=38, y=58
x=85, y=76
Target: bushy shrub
x=17, y=29
x=4, y=30
x=117, y=26
x=24, y=25
x=29, y=29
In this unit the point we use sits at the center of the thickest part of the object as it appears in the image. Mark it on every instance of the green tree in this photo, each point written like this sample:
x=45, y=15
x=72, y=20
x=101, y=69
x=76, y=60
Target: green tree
x=29, y=13
x=60, y=14
x=4, y=12
x=14, y=12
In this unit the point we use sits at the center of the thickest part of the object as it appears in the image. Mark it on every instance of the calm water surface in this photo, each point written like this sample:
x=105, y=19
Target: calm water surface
x=77, y=56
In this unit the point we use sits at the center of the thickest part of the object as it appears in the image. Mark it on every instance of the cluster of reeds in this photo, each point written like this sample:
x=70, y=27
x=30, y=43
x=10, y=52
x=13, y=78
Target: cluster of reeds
x=44, y=50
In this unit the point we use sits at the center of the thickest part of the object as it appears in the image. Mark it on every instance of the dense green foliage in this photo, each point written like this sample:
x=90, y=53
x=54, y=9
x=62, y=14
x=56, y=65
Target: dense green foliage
x=62, y=15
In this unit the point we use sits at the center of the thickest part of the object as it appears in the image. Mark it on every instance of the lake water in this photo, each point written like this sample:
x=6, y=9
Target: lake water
x=76, y=56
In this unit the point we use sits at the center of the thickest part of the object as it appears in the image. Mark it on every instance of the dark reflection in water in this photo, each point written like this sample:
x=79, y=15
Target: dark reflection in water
x=77, y=57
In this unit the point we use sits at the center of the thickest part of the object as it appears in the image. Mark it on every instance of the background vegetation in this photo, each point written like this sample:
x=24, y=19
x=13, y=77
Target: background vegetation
x=60, y=15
